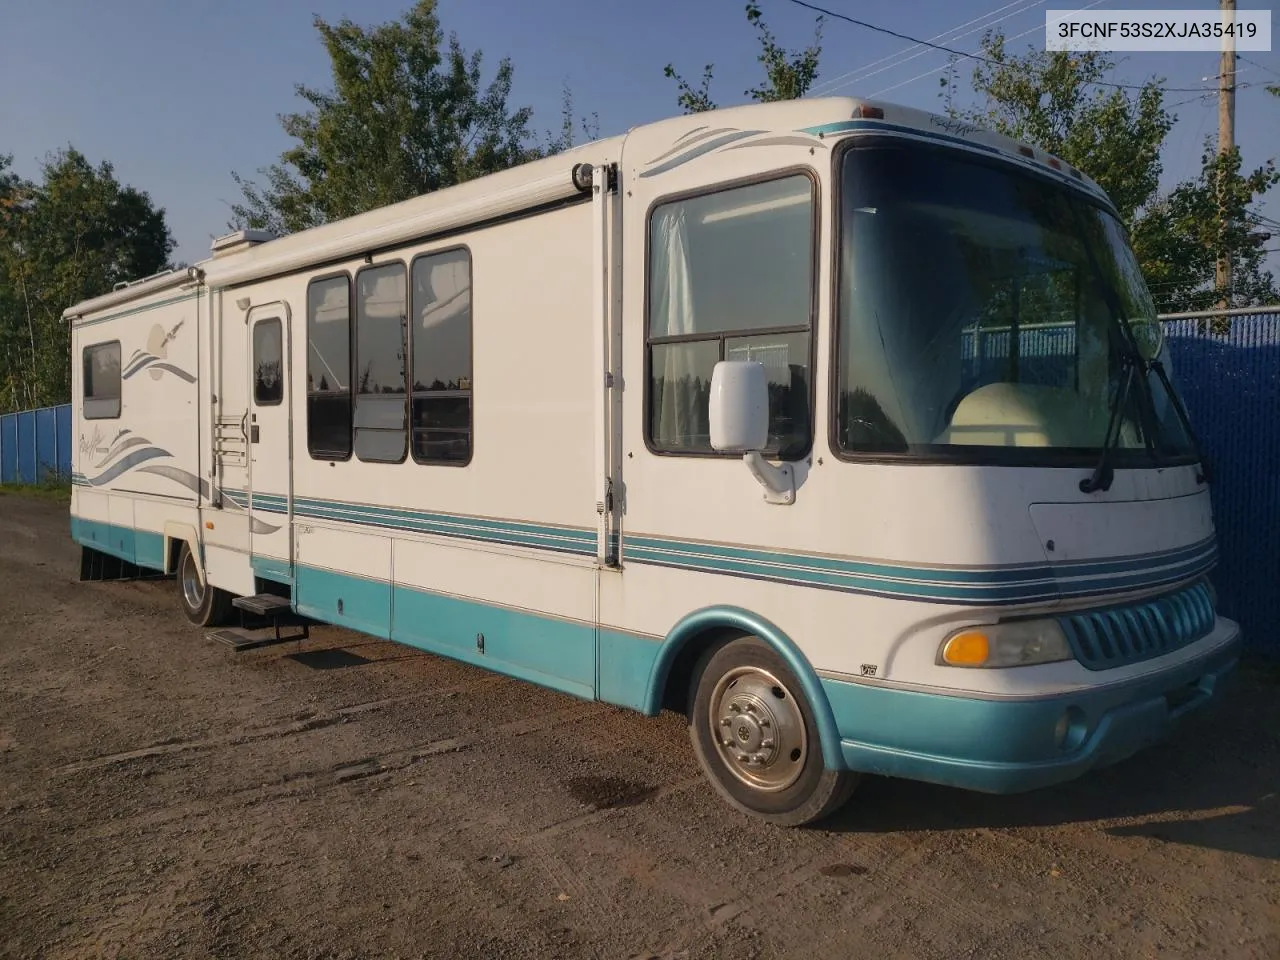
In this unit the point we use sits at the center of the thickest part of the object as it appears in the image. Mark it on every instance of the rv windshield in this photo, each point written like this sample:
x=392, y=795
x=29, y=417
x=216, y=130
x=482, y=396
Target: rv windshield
x=986, y=315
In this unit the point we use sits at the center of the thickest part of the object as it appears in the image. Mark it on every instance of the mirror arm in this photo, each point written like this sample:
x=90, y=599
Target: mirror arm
x=779, y=482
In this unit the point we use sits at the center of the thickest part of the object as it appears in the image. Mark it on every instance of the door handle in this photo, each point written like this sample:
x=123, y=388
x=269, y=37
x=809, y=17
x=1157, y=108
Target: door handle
x=253, y=433
x=243, y=431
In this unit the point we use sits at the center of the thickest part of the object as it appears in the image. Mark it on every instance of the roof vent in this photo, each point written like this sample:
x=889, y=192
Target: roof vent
x=240, y=240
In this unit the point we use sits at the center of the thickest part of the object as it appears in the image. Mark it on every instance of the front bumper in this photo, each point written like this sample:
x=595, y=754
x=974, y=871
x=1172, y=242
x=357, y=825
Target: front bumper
x=1009, y=746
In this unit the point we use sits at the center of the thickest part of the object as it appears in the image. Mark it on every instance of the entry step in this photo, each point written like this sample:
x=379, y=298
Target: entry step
x=241, y=639
x=263, y=605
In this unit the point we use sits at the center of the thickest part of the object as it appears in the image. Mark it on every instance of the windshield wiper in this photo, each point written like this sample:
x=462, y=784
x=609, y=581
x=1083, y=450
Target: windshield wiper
x=1132, y=361
x=1104, y=473
x=1204, y=476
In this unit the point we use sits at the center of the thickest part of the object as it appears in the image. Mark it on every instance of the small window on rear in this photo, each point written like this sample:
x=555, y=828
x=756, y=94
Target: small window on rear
x=102, y=381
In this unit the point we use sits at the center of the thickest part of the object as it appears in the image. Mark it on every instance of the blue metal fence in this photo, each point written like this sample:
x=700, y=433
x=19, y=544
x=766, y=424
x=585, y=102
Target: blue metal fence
x=35, y=445
x=1231, y=385
x=1230, y=382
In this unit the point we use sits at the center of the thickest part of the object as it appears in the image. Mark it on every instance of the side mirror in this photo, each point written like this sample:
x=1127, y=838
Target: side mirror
x=739, y=420
x=739, y=409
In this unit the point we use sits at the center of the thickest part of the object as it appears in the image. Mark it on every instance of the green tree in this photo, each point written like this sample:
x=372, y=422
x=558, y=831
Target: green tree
x=1178, y=236
x=72, y=236
x=570, y=126
x=789, y=74
x=1060, y=101
x=407, y=115
x=13, y=195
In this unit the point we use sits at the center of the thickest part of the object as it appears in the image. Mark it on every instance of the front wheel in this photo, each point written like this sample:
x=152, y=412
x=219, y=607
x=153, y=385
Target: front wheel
x=755, y=736
x=204, y=604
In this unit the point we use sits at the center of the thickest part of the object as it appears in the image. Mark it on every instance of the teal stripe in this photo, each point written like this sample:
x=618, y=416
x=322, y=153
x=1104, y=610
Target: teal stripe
x=349, y=601
x=1005, y=746
x=269, y=568
x=1191, y=552
x=625, y=661
x=464, y=528
x=142, y=547
x=553, y=653
x=148, y=549
x=846, y=580
x=1016, y=583
x=698, y=552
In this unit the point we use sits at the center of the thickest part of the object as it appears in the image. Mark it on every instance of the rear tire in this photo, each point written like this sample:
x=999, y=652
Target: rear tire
x=755, y=736
x=203, y=604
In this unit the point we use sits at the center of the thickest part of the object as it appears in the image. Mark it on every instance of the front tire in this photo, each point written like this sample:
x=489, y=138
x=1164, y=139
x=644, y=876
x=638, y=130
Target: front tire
x=755, y=736
x=204, y=605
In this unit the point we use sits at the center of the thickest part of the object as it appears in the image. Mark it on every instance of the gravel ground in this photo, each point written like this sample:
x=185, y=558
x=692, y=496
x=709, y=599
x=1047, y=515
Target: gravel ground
x=161, y=796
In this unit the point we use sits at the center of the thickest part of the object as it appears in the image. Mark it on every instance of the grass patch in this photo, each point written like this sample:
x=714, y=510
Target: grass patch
x=56, y=490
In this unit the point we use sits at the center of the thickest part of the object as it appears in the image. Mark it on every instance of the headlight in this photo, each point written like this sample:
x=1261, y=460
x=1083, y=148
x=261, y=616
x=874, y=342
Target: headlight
x=1015, y=644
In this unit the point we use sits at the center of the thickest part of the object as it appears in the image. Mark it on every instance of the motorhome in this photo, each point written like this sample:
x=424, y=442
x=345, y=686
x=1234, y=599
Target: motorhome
x=843, y=428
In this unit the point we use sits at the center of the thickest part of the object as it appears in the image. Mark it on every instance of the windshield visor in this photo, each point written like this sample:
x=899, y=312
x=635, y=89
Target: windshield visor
x=985, y=315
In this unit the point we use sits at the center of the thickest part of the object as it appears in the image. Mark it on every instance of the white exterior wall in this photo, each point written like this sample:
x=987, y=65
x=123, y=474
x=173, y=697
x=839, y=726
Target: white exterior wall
x=141, y=470
x=532, y=442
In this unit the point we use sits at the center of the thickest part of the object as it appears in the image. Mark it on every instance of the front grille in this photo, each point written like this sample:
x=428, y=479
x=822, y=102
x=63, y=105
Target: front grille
x=1102, y=639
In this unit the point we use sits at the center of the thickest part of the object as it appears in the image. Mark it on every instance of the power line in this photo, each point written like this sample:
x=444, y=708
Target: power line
x=899, y=58
x=1204, y=96
x=1260, y=66
x=961, y=53
x=921, y=76
x=865, y=72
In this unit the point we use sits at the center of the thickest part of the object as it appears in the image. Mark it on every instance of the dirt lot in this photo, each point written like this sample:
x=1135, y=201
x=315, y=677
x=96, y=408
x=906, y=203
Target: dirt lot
x=161, y=796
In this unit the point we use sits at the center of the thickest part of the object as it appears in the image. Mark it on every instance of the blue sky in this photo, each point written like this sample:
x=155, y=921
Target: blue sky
x=177, y=94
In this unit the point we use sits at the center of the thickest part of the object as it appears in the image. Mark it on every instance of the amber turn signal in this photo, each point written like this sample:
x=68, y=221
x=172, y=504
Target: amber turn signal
x=970, y=649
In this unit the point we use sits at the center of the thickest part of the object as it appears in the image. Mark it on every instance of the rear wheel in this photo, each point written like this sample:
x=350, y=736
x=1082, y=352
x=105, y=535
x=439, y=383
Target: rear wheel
x=204, y=605
x=756, y=739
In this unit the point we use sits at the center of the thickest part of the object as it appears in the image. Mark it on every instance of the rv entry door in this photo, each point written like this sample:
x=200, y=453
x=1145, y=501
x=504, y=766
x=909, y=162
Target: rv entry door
x=270, y=439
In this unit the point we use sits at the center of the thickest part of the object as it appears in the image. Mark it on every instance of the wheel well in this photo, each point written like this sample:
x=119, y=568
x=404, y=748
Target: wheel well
x=175, y=551
x=675, y=690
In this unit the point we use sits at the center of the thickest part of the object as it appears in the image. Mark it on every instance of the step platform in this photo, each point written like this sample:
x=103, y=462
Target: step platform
x=270, y=607
x=263, y=604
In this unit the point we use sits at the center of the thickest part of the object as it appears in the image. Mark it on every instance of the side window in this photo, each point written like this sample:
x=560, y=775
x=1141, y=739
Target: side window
x=102, y=381
x=441, y=345
x=379, y=417
x=731, y=277
x=329, y=368
x=268, y=367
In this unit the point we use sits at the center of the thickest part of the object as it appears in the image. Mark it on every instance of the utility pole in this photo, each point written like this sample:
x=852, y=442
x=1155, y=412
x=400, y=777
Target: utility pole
x=1226, y=143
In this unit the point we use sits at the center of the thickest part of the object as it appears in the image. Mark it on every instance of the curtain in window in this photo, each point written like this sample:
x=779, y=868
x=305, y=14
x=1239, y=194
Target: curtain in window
x=680, y=419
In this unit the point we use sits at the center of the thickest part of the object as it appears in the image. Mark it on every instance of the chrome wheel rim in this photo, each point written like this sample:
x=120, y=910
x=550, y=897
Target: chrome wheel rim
x=192, y=589
x=758, y=729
